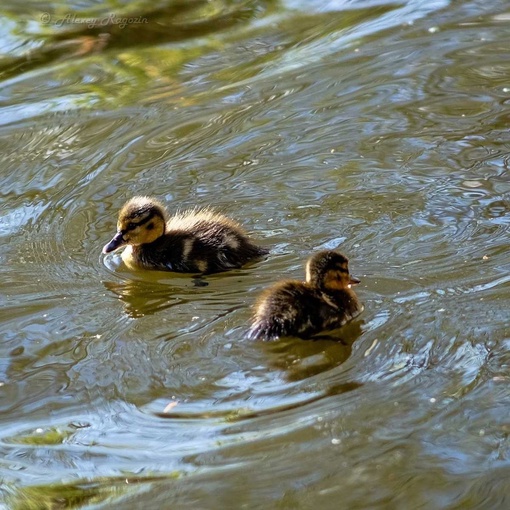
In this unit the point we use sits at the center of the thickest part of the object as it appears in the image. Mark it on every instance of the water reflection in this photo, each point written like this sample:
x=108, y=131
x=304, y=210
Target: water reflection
x=302, y=359
x=69, y=34
x=141, y=298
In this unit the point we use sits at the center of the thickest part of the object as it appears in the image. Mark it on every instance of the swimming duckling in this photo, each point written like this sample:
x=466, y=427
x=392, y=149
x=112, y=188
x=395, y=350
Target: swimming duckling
x=325, y=301
x=194, y=241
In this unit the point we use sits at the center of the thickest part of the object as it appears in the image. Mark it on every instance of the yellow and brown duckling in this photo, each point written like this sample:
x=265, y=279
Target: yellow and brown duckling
x=325, y=301
x=195, y=241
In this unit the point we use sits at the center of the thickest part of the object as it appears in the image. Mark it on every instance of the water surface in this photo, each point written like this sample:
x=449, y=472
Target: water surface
x=378, y=128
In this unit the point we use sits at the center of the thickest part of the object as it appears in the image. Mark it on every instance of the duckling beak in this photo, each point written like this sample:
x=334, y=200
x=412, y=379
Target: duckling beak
x=117, y=241
x=354, y=281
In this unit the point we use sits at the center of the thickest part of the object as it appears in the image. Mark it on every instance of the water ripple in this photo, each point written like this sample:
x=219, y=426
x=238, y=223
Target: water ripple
x=374, y=128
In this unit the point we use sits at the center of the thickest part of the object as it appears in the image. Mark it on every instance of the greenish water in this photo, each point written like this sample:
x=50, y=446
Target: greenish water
x=377, y=127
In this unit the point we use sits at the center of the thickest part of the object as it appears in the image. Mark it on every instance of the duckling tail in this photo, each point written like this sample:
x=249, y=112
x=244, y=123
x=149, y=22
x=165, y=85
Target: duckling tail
x=265, y=331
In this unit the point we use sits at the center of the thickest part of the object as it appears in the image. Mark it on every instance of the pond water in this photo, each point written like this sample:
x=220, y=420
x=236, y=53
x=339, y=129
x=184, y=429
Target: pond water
x=376, y=127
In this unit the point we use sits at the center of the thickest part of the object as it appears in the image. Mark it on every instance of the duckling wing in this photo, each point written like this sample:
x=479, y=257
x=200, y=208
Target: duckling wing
x=168, y=253
x=339, y=308
x=214, y=239
x=287, y=309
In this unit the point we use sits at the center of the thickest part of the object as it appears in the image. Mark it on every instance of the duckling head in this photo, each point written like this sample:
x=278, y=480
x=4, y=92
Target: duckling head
x=141, y=220
x=329, y=270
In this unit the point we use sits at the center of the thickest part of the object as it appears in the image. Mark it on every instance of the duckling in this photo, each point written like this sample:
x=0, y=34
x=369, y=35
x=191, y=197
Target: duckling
x=325, y=301
x=194, y=241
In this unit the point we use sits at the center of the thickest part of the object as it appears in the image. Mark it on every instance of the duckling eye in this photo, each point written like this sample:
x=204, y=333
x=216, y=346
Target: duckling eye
x=131, y=226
